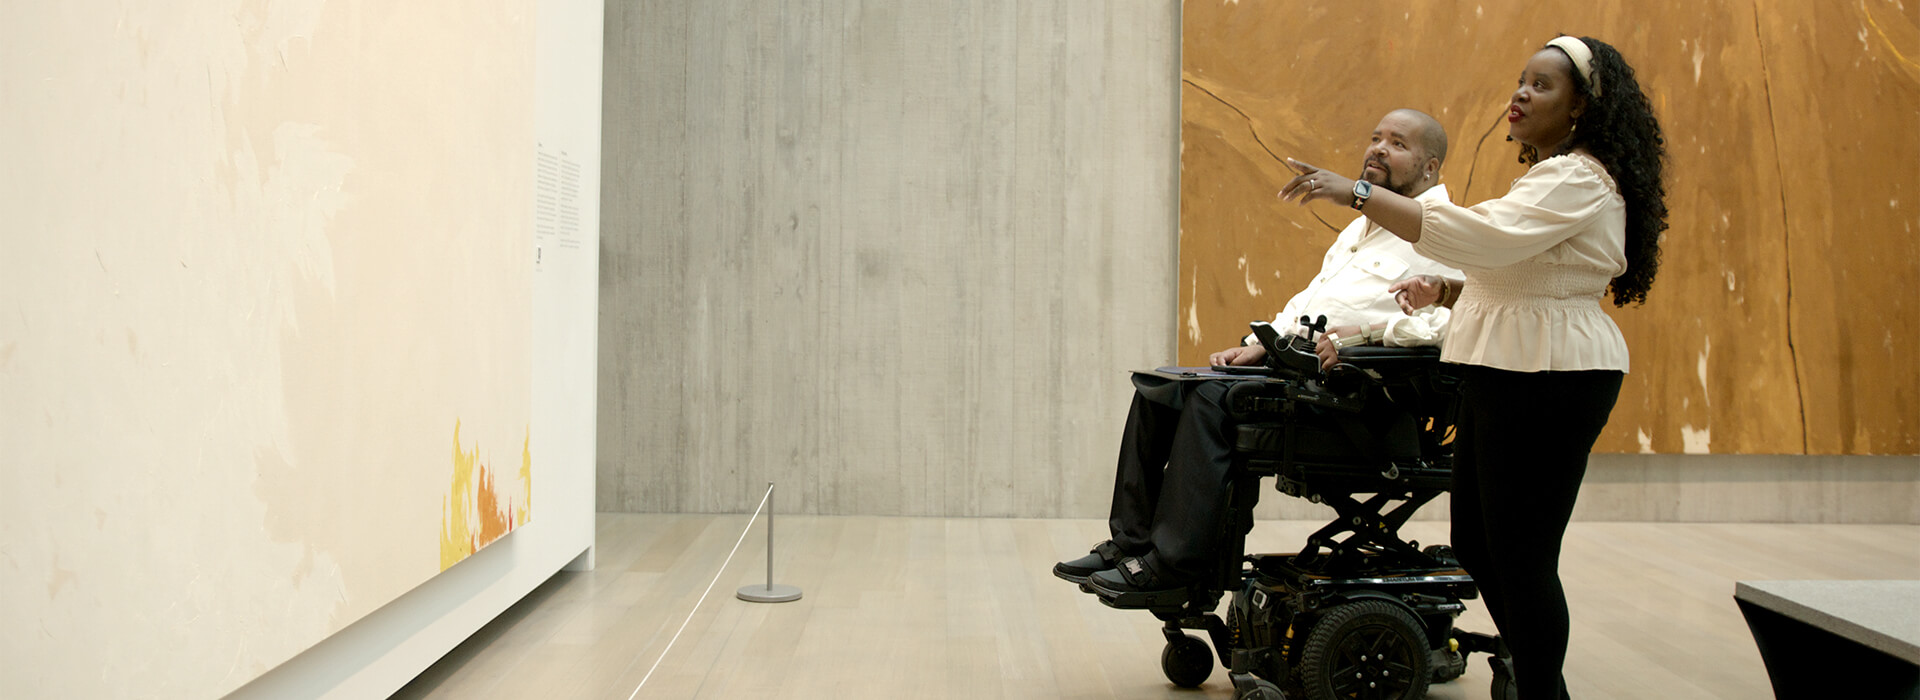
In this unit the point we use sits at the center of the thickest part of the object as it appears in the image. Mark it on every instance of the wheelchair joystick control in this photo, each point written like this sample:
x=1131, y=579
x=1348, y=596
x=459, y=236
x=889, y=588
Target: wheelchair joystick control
x=1314, y=326
x=1293, y=356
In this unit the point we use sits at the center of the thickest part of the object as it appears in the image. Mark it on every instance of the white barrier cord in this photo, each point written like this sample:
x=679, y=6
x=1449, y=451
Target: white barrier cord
x=703, y=595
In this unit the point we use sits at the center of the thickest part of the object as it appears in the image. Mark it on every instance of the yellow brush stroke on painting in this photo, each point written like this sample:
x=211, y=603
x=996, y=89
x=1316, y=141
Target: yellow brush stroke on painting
x=478, y=509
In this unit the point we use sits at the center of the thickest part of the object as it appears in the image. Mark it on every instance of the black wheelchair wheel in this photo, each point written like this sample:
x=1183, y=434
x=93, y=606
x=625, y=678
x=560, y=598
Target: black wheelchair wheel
x=1187, y=661
x=1503, y=685
x=1366, y=650
x=1504, y=689
x=1262, y=690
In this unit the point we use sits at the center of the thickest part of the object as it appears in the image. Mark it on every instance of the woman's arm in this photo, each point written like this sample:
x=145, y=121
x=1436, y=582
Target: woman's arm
x=1555, y=200
x=1396, y=213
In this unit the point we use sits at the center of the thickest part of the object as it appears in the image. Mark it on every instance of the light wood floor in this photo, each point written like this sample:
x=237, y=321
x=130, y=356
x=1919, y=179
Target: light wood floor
x=967, y=608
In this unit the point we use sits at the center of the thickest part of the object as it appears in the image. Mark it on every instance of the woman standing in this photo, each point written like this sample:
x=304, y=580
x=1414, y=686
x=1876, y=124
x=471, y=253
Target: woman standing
x=1542, y=364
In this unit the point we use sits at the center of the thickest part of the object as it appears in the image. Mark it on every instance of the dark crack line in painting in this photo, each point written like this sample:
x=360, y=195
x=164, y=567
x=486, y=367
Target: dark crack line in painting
x=1256, y=139
x=1474, y=163
x=1786, y=227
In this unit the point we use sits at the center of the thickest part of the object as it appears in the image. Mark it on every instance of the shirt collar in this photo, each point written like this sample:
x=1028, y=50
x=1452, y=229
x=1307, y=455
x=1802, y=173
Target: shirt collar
x=1438, y=191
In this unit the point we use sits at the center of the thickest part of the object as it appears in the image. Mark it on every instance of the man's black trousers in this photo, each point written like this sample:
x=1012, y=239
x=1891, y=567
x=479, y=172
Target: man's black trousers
x=1171, y=486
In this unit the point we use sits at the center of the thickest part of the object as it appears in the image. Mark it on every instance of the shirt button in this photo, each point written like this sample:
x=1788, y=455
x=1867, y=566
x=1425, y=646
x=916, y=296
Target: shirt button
x=1376, y=263
x=1353, y=249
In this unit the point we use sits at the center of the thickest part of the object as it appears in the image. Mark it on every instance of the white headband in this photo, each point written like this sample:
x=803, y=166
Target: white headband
x=1582, y=59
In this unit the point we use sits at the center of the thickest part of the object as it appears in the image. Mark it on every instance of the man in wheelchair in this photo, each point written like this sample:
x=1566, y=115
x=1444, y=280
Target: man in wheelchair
x=1177, y=452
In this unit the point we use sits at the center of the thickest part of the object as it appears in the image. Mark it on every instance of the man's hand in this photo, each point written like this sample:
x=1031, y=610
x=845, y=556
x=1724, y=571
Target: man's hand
x=1329, y=355
x=1417, y=292
x=1244, y=355
x=1324, y=347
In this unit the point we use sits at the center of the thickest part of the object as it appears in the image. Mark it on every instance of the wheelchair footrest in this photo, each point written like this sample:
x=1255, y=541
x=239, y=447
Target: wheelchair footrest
x=1479, y=642
x=1168, y=600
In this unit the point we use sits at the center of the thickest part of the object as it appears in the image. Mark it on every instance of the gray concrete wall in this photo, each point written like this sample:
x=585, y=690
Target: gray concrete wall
x=896, y=256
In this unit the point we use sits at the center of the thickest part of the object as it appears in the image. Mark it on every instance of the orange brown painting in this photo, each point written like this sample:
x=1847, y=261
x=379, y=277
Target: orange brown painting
x=479, y=509
x=1778, y=323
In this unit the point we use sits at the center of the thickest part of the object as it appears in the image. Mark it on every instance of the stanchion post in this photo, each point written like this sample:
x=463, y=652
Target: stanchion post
x=770, y=593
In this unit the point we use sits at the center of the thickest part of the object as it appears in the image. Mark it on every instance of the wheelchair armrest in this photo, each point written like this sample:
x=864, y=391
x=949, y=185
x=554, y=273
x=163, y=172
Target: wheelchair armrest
x=1385, y=358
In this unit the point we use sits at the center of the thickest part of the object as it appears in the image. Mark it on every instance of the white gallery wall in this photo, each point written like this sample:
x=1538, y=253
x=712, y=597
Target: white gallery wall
x=273, y=288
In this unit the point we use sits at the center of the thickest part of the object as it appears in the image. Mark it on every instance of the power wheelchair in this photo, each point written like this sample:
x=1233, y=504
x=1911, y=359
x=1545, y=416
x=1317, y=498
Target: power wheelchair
x=1358, y=612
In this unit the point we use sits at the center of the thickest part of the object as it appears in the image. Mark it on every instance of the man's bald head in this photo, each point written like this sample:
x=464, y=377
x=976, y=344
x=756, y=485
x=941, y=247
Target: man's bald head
x=1431, y=136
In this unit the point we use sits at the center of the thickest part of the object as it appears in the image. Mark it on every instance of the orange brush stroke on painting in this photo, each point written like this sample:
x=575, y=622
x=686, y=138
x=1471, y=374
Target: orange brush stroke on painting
x=477, y=511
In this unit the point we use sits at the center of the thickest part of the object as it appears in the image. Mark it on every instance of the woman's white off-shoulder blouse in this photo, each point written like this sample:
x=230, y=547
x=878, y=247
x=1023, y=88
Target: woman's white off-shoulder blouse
x=1537, y=263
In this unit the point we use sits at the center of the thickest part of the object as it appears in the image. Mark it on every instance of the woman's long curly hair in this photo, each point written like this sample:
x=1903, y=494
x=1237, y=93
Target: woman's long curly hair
x=1619, y=129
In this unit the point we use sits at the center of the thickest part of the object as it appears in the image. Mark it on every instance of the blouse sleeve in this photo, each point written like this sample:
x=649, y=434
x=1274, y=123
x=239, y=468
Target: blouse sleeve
x=1551, y=203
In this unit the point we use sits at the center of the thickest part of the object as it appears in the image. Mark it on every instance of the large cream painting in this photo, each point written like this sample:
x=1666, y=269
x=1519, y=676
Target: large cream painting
x=265, y=297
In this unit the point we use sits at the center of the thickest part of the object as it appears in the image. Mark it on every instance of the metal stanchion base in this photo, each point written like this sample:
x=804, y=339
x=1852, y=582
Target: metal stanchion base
x=776, y=593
